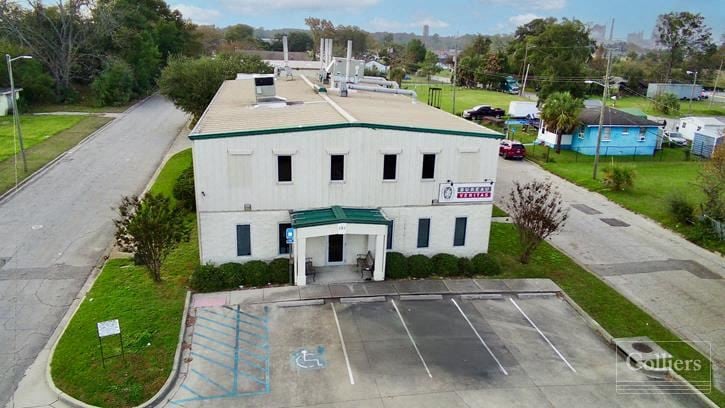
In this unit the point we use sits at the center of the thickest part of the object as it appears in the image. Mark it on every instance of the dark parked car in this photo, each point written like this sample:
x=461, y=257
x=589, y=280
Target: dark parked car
x=510, y=149
x=478, y=112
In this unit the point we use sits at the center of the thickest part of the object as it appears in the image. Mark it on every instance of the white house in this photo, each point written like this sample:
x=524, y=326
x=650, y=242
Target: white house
x=377, y=66
x=362, y=174
x=691, y=124
x=6, y=101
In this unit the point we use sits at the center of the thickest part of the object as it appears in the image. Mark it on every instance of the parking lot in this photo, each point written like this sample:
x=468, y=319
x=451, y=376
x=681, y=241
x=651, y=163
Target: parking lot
x=455, y=351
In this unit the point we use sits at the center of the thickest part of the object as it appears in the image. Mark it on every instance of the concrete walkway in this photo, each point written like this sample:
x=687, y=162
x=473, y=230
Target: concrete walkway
x=676, y=281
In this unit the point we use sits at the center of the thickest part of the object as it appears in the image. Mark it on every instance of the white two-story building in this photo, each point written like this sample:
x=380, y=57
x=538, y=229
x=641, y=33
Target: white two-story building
x=362, y=174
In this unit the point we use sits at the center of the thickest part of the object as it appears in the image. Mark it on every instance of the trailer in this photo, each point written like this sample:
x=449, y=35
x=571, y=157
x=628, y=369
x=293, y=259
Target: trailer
x=705, y=143
x=681, y=91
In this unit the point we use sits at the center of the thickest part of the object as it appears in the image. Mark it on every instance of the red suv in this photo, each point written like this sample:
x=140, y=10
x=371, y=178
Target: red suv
x=511, y=149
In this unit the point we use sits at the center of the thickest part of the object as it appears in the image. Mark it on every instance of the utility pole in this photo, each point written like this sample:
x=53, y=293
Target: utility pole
x=692, y=92
x=605, y=94
x=16, y=116
x=526, y=76
x=523, y=67
x=455, y=75
x=717, y=79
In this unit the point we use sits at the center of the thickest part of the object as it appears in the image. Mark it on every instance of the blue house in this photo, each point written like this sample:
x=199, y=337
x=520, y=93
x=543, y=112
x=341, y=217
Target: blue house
x=622, y=134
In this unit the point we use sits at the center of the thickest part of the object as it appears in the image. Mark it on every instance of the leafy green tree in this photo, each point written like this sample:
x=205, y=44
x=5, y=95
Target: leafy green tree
x=480, y=45
x=490, y=73
x=114, y=86
x=712, y=181
x=429, y=66
x=414, y=54
x=238, y=33
x=683, y=34
x=30, y=75
x=396, y=74
x=145, y=60
x=666, y=103
x=150, y=228
x=561, y=113
x=297, y=41
x=191, y=83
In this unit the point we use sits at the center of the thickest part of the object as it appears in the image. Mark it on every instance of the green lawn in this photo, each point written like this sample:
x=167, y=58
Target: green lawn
x=79, y=107
x=35, y=129
x=465, y=97
x=617, y=315
x=150, y=317
x=657, y=178
x=176, y=164
x=699, y=108
x=66, y=132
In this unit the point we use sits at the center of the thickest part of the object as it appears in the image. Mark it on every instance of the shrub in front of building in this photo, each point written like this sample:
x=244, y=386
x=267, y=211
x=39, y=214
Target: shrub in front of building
x=206, y=278
x=420, y=266
x=184, y=190
x=465, y=267
x=231, y=274
x=256, y=273
x=484, y=264
x=279, y=271
x=445, y=265
x=396, y=266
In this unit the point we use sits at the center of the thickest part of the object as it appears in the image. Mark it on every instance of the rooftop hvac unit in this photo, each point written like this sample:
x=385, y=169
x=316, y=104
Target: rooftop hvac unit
x=264, y=89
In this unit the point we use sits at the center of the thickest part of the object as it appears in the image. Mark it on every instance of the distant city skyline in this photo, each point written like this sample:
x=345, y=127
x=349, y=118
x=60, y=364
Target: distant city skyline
x=455, y=17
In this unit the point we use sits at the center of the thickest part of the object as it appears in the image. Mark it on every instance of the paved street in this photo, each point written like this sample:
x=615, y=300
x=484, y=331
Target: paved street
x=54, y=231
x=676, y=281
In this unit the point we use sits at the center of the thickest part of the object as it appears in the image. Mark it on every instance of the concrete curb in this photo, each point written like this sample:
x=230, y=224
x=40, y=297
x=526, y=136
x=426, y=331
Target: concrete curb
x=37, y=173
x=610, y=340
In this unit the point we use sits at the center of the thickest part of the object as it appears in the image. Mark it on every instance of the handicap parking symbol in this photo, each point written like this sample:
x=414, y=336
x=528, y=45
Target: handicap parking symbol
x=309, y=359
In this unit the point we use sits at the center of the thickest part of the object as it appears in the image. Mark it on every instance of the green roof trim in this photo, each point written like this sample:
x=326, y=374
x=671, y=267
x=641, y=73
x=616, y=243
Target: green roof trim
x=337, y=215
x=238, y=133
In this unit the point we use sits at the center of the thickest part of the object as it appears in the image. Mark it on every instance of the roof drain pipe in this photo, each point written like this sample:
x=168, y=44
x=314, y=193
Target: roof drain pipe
x=343, y=84
x=379, y=89
x=378, y=81
x=287, y=69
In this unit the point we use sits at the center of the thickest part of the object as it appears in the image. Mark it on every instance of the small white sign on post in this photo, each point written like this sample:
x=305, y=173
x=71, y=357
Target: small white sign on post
x=108, y=328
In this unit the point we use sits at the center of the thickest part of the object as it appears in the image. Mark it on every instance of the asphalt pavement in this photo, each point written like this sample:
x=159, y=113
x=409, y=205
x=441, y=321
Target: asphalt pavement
x=676, y=281
x=55, y=230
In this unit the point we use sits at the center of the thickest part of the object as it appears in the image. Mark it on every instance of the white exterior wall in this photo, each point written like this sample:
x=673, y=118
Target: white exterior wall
x=690, y=125
x=234, y=171
x=550, y=138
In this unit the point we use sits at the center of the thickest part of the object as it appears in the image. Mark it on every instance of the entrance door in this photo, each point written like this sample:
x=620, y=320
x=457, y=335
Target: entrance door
x=334, y=248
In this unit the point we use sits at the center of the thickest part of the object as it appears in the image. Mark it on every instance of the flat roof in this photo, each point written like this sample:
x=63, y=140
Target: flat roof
x=235, y=112
x=336, y=215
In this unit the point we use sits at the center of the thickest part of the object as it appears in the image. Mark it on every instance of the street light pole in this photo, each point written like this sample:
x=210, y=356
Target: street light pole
x=717, y=79
x=605, y=93
x=692, y=92
x=16, y=115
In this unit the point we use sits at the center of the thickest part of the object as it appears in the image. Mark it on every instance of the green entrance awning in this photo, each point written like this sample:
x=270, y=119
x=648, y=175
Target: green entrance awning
x=337, y=215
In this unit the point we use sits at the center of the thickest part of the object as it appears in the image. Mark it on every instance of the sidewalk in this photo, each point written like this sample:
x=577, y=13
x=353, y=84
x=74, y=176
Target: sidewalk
x=674, y=280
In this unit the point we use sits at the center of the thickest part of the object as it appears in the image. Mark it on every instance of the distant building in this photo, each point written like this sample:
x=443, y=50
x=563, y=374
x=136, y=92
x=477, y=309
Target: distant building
x=598, y=32
x=426, y=31
x=376, y=66
x=623, y=134
x=6, y=102
x=638, y=39
x=688, y=126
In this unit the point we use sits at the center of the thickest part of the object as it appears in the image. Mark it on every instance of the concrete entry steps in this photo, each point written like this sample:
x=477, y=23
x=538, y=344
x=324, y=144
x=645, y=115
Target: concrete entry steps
x=373, y=289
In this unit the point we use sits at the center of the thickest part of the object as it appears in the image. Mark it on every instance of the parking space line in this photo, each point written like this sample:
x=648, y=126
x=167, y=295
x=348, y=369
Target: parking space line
x=503, y=370
x=228, y=326
x=344, y=349
x=214, y=340
x=410, y=336
x=542, y=335
x=209, y=380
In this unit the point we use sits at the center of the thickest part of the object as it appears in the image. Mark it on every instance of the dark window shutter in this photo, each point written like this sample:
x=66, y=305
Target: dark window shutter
x=244, y=242
x=389, y=244
x=423, y=232
x=459, y=235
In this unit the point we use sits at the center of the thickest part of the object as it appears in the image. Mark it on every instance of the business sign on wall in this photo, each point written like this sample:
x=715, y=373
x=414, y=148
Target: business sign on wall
x=466, y=192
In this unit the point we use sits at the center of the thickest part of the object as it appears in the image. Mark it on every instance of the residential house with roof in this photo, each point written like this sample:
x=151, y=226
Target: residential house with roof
x=622, y=134
x=690, y=125
x=288, y=168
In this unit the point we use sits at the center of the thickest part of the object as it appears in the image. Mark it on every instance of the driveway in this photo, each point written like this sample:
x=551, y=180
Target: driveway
x=54, y=231
x=677, y=282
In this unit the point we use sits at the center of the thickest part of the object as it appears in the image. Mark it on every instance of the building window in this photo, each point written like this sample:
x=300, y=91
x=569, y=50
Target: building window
x=337, y=167
x=284, y=168
x=459, y=234
x=244, y=242
x=581, y=133
x=283, y=245
x=429, y=166
x=684, y=125
x=390, y=162
x=423, y=232
x=625, y=132
x=642, y=134
x=607, y=134
x=389, y=244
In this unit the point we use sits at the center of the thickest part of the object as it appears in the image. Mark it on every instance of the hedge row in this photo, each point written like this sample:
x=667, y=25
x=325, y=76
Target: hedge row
x=212, y=278
x=420, y=266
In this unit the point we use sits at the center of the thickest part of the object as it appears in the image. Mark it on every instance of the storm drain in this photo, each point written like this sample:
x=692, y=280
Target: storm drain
x=614, y=222
x=585, y=209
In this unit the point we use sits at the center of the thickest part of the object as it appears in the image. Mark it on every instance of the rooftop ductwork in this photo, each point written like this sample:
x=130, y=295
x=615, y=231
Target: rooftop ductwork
x=380, y=89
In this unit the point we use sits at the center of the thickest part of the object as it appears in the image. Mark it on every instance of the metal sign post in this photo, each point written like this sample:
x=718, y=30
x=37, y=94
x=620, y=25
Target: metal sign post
x=106, y=329
x=289, y=233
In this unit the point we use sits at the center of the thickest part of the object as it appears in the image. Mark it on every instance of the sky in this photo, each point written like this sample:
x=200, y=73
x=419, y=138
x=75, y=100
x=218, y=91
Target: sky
x=447, y=17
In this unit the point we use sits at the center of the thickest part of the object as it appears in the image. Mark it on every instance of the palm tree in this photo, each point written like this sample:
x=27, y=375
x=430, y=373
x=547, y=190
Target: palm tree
x=561, y=112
